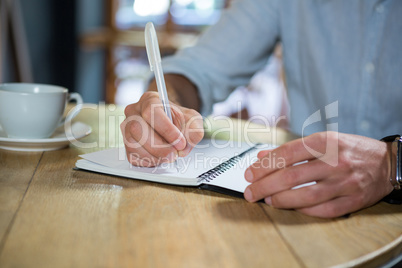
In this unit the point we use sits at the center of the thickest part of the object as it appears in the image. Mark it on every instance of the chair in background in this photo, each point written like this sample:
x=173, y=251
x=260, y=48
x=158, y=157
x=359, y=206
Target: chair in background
x=12, y=32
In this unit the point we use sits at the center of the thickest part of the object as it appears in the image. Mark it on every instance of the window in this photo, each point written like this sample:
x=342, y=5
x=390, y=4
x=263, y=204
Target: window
x=178, y=23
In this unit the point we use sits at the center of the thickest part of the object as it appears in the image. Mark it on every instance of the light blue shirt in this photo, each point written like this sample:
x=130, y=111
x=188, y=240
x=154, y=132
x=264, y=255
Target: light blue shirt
x=342, y=58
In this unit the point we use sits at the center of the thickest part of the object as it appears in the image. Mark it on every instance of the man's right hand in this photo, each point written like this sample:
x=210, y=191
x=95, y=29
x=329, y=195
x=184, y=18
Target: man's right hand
x=151, y=138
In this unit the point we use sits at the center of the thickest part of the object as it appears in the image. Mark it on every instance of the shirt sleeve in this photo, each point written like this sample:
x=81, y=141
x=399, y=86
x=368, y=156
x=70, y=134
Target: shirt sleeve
x=230, y=52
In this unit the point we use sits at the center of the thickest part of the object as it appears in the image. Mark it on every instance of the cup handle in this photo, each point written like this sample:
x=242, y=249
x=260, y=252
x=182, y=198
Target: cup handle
x=76, y=110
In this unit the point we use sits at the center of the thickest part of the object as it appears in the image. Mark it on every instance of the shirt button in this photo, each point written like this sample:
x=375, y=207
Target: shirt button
x=365, y=125
x=379, y=9
x=370, y=67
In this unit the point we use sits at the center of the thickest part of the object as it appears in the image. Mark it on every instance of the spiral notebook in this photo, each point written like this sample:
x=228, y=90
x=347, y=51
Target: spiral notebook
x=212, y=164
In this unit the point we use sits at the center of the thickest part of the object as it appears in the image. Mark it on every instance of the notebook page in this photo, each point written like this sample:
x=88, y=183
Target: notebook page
x=205, y=156
x=233, y=178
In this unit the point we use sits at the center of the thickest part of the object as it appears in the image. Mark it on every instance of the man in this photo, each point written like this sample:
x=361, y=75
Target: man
x=341, y=57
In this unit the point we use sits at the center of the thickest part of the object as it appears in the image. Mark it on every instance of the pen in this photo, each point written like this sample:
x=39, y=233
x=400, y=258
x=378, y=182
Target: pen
x=154, y=57
x=155, y=63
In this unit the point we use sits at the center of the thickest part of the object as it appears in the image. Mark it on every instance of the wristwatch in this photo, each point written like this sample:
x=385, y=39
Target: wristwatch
x=396, y=168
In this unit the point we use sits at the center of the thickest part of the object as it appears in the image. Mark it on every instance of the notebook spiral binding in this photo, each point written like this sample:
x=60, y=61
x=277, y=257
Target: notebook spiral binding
x=223, y=167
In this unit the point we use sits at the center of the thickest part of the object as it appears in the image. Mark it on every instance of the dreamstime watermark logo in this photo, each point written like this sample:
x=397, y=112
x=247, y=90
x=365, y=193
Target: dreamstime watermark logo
x=331, y=153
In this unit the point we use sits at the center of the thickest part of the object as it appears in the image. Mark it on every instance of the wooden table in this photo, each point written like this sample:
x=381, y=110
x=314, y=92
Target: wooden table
x=54, y=216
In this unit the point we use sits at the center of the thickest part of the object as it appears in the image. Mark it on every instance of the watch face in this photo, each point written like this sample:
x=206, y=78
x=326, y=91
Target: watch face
x=396, y=163
x=392, y=138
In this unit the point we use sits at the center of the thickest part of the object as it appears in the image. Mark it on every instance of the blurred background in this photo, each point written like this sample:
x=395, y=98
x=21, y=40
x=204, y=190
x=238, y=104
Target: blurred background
x=97, y=48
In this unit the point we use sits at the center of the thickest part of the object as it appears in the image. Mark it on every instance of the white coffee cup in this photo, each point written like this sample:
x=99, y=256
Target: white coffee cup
x=34, y=111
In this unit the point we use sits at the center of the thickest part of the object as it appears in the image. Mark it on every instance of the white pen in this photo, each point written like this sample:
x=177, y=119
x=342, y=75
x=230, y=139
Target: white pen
x=155, y=63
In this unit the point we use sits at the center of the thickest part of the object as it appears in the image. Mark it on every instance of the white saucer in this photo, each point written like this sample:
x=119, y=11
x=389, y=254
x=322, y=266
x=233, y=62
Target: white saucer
x=57, y=141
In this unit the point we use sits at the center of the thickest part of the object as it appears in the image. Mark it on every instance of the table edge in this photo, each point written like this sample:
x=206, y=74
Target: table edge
x=370, y=257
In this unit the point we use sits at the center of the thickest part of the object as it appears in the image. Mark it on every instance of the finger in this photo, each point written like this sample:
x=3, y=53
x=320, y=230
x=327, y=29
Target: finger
x=140, y=157
x=287, y=155
x=322, y=191
x=263, y=153
x=333, y=208
x=155, y=116
x=193, y=131
x=286, y=179
x=138, y=134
